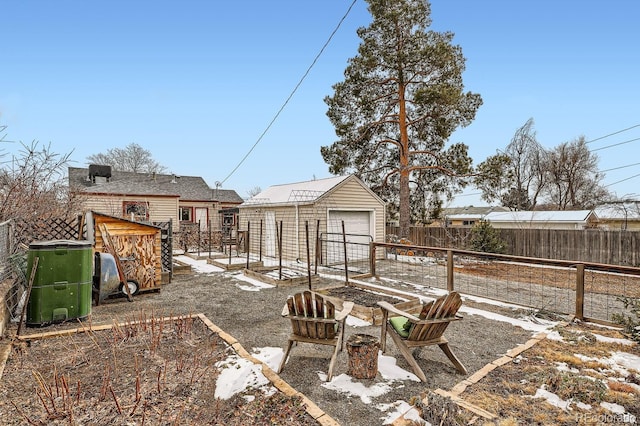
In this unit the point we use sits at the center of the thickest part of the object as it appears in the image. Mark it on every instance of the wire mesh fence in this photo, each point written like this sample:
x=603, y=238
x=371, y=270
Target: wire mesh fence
x=587, y=290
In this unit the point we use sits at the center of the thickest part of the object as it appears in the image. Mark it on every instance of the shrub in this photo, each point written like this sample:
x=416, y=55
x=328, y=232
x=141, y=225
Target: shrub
x=485, y=238
x=631, y=325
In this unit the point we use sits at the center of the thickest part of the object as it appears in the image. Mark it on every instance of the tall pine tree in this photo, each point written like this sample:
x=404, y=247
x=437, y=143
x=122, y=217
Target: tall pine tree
x=400, y=101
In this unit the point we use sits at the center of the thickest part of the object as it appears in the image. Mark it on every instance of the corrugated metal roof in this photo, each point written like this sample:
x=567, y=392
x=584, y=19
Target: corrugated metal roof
x=298, y=192
x=619, y=211
x=540, y=216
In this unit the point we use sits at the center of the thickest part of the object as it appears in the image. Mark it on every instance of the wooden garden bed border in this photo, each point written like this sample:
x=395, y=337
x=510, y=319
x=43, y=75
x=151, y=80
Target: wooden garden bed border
x=259, y=274
x=374, y=314
x=310, y=407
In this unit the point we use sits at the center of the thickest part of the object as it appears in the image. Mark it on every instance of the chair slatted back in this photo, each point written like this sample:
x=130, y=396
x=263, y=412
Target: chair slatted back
x=312, y=316
x=445, y=307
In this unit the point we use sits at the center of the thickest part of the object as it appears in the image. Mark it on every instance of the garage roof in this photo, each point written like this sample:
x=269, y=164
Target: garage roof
x=299, y=192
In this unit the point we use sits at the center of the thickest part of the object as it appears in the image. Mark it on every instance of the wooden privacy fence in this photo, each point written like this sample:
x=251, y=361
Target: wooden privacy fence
x=611, y=247
x=589, y=291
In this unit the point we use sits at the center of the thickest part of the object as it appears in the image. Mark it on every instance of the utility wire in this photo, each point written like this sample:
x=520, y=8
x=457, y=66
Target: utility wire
x=615, y=144
x=614, y=133
x=295, y=89
x=622, y=180
x=621, y=167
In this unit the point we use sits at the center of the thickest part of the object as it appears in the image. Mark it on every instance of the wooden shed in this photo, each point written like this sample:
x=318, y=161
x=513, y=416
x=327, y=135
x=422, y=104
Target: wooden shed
x=138, y=245
x=316, y=209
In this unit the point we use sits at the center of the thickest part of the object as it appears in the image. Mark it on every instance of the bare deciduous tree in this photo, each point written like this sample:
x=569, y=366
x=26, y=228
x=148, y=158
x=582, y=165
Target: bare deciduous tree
x=33, y=186
x=131, y=158
x=517, y=176
x=574, y=178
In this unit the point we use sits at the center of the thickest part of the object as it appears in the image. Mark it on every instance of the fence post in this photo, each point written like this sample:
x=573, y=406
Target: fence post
x=449, y=270
x=580, y=291
x=247, y=241
x=260, y=243
x=318, y=246
x=306, y=232
x=372, y=259
x=346, y=259
x=199, y=232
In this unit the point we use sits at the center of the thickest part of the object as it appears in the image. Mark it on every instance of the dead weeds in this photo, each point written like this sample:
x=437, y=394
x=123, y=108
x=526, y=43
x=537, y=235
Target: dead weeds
x=574, y=369
x=143, y=372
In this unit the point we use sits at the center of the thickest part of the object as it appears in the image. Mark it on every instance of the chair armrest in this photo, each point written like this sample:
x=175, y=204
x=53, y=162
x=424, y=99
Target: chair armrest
x=285, y=310
x=346, y=310
x=439, y=320
x=390, y=308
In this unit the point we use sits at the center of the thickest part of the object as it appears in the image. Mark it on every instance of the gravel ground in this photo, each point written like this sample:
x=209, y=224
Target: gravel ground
x=254, y=319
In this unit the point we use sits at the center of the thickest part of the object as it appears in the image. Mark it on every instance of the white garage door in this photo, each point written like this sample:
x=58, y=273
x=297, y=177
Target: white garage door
x=357, y=226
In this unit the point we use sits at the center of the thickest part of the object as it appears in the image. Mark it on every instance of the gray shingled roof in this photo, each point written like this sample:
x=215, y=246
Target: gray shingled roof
x=188, y=188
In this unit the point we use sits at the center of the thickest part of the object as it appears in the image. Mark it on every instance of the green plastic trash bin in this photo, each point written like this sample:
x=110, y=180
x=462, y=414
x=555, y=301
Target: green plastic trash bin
x=61, y=288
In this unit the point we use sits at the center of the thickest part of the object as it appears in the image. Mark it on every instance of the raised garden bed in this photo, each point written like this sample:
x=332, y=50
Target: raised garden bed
x=234, y=264
x=365, y=299
x=147, y=371
x=271, y=275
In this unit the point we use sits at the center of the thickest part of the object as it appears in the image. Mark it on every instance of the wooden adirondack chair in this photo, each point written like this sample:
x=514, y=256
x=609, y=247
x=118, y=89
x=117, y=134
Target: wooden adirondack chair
x=315, y=320
x=409, y=331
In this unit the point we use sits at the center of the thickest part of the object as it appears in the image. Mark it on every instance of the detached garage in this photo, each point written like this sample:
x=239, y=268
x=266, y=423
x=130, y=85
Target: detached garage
x=287, y=216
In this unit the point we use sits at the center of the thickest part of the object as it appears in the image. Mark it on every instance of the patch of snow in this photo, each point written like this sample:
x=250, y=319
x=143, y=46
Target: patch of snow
x=552, y=399
x=238, y=374
x=269, y=355
x=390, y=371
x=563, y=366
x=199, y=266
x=554, y=335
x=357, y=322
x=556, y=401
x=526, y=324
x=345, y=384
x=606, y=339
x=401, y=409
x=619, y=362
x=619, y=409
x=256, y=285
x=627, y=360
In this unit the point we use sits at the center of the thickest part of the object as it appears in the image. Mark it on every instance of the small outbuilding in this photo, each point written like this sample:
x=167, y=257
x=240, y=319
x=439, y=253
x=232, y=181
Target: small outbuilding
x=293, y=218
x=138, y=245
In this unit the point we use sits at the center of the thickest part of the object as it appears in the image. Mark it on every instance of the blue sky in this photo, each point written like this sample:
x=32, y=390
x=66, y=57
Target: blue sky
x=198, y=82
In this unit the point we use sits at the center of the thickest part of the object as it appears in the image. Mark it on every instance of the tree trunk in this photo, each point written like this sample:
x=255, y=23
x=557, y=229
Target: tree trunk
x=405, y=206
x=363, y=356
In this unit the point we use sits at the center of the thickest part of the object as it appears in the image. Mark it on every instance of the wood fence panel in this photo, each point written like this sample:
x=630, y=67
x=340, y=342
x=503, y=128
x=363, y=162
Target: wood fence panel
x=613, y=247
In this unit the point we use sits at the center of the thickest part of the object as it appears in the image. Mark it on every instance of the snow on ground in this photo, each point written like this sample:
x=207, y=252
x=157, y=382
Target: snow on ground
x=254, y=284
x=200, y=266
x=240, y=374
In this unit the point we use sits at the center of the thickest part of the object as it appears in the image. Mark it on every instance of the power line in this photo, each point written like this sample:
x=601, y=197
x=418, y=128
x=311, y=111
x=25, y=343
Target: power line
x=295, y=89
x=615, y=144
x=622, y=180
x=621, y=167
x=614, y=133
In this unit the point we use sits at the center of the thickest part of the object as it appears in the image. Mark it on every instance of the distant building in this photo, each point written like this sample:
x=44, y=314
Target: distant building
x=152, y=197
x=467, y=216
x=623, y=216
x=539, y=219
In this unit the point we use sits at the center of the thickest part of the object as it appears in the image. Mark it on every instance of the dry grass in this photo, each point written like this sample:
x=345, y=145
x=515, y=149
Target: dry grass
x=595, y=282
x=508, y=390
